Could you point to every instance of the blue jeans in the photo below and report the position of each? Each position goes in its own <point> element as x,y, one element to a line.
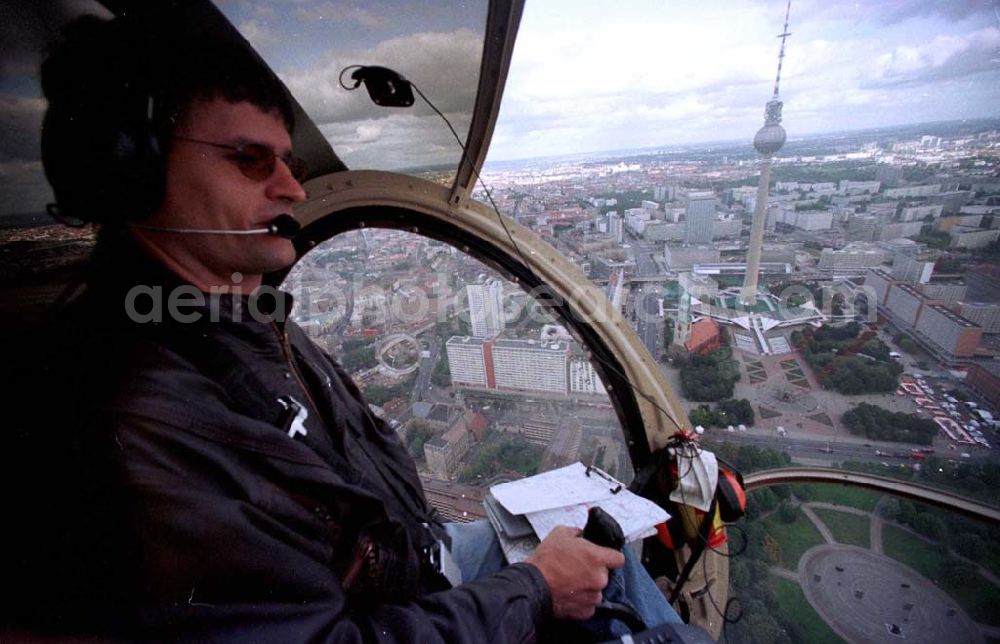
<point>477,552</point>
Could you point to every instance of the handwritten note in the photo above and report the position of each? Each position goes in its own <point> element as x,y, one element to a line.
<point>636,516</point>
<point>565,496</point>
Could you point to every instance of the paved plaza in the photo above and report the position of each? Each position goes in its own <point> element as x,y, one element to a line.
<point>867,597</point>
<point>784,392</point>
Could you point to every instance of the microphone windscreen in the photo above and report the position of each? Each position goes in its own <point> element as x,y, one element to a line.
<point>284,226</point>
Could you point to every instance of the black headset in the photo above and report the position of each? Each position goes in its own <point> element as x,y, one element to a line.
<point>106,163</point>
<point>101,149</point>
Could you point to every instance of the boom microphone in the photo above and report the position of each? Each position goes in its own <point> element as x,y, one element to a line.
<point>283,226</point>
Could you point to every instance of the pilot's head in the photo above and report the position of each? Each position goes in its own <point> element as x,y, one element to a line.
<point>171,132</point>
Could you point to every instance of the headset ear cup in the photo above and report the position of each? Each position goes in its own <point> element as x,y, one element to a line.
<point>138,167</point>
<point>104,166</point>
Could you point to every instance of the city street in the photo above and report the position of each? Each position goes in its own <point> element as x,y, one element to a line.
<point>645,298</point>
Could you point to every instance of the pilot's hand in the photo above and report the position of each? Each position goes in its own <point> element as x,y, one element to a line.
<point>576,571</point>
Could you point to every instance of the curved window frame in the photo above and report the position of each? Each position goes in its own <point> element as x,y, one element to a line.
<point>352,200</point>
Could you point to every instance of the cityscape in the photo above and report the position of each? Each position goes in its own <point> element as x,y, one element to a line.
<point>873,339</point>
<point>909,252</point>
<point>825,300</point>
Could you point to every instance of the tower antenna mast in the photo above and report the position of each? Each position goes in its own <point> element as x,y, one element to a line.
<point>781,54</point>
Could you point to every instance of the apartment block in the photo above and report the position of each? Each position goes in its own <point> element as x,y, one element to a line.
<point>528,365</point>
<point>944,293</point>
<point>682,258</point>
<point>583,378</point>
<point>880,282</point>
<point>486,308</point>
<point>912,192</point>
<point>698,217</point>
<point>850,260</point>
<point>468,361</point>
<point>985,314</point>
<point>919,213</point>
<point>905,303</point>
<point>858,187</point>
<point>953,334</point>
<point>984,377</point>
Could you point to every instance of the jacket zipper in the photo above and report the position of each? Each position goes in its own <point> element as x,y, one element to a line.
<point>286,351</point>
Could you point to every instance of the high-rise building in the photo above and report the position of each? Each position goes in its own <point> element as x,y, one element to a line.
<point>468,361</point>
<point>513,365</point>
<point>526,365</point>
<point>985,314</point>
<point>615,227</point>
<point>486,308</point>
<point>698,218</point>
<point>583,379</point>
<point>952,334</point>
<point>853,259</point>
<point>906,268</point>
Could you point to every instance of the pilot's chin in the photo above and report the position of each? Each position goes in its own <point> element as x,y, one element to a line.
<point>281,259</point>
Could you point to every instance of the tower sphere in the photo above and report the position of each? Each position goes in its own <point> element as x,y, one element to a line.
<point>769,139</point>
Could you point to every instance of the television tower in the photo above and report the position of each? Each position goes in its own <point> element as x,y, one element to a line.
<point>768,140</point>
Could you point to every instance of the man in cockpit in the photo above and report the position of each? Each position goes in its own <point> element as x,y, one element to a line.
<point>189,465</point>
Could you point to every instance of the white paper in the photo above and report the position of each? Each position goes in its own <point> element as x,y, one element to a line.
<point>559,488</point>
<point>636,516</point>
<point>699,478</point>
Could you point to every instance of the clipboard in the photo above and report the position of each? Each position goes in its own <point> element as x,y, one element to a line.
<point>512,526</point>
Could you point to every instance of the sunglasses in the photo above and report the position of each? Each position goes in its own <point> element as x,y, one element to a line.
<point>255,160</point>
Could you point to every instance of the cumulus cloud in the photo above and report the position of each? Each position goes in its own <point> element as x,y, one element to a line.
<point>397,140</point>
<point>343,12</point>
<point>683,75</point>
<point>944,57</point>
<point>445,66</point>
<point>258,34</point>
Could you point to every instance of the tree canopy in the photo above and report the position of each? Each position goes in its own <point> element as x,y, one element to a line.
<point>881,424</point>
<point>844,359</point>
<point>709,378</point>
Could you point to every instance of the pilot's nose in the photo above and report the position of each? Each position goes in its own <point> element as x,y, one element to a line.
<point>282,185</point>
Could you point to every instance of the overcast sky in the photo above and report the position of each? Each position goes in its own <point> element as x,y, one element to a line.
<point>592,75</point>
<point>587,75</point>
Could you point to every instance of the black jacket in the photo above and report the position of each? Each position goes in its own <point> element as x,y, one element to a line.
<point>150,502</point>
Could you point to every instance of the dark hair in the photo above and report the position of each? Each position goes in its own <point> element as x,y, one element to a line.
<point>117,90</point>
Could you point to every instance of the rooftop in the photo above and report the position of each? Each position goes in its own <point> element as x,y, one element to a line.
<point>954,317</point>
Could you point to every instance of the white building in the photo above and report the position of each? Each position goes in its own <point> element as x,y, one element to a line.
<point>467,361</point>
<point>636,220</point>
<point>528,365</point>
<point>615,227</point>
<point>726,228</point>
<point>814,220</point>
<point>918,213</point>
<point>583,379</point>
<point>682,258</point>
<point>486,308</point>
<point>847,187</point>
<point>913,192</point>
<point>853,259</point>
<point>974,238</point>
